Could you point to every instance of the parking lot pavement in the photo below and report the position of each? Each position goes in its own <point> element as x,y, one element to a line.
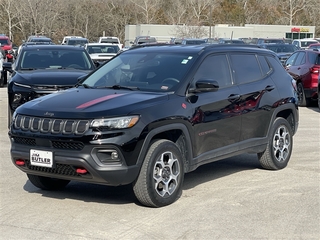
<point>229,199</point>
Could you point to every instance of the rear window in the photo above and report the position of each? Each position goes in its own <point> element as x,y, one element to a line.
<point>109,40</point>
<point>146,40</point>
<point>4,42</point>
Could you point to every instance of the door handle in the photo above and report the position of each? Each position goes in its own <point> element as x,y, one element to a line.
<point>269,88</point>
<point>234,97</point>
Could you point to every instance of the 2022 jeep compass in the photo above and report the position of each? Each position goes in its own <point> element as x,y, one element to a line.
<point>156,112</point>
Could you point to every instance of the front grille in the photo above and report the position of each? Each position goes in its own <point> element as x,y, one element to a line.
<point>78,146</point>
<point>59,169</point>
<point>68,145</point>
<point>51,125</point>
<point>25,141</point>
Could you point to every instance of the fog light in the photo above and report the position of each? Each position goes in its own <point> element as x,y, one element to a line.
<point>17,97</point>
<point>114,155</point>
<point>108,156</point>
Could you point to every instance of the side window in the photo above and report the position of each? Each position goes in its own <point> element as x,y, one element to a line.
<point>291,59</point>
<point>301,59</point>
<point>215,67</point>
<point>264,65</point>
<point>245,68</point>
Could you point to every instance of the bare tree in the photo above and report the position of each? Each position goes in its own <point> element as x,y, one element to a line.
<point>290,8</point>
<point>147,9</point>
<point>175,11</point>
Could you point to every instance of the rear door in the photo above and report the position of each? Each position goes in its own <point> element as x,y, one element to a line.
<point>296,65</point>
<point>251,72</point>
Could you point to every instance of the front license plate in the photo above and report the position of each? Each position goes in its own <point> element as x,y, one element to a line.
<point>41,158</point>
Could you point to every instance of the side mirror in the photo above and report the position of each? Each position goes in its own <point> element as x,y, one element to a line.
<point>204,85</point>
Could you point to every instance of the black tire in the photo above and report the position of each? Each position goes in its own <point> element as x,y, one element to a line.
<point>2,79</point>
<point>302,100</point>
<point>161,177</point>
<point>279,147</point>
<point>47,183</point>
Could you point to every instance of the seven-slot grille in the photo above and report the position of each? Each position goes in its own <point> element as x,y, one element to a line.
<point>51,125</point>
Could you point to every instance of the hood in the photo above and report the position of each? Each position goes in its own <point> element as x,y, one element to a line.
<point>50,77</point>
<point>81,103</point>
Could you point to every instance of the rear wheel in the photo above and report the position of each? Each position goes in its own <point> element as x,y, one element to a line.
<point>47,183</point>
<point>161,177</point>
<point>279,147</point>
<point>302,100</point>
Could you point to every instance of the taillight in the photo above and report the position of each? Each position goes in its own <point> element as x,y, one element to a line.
<point>314,70</point>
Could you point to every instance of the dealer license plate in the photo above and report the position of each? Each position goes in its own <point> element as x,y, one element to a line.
<point>41,158</point>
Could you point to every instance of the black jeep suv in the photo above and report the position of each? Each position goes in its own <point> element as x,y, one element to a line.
<point>156,112</point>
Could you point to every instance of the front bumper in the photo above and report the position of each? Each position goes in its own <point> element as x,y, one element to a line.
<point>66,163</point>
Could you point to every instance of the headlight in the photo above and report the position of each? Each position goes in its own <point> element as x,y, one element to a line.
<point>116,123</point>
<point>22,85</point>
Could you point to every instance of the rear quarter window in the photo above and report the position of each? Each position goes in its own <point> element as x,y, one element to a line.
<point>314,58</point>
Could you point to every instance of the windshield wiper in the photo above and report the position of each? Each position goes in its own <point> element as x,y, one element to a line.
<point>84,85</point>
<point>121,87</point>
<point>28,69</point>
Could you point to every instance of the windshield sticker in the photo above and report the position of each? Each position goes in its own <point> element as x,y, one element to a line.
<point>184,61</point>
<point>190,57</point>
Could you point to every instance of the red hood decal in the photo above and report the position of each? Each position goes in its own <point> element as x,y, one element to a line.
<point>98,100</point>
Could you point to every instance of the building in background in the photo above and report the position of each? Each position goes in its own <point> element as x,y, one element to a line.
<point>164,33</point>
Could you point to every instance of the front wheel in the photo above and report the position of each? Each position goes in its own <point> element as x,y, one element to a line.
<point>47,183</point>
<point>161,176</point>
<point>279,147</point>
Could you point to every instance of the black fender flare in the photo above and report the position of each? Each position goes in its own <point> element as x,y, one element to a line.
<point>151,134</point>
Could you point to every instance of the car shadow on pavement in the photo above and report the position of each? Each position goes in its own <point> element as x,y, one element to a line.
<point>87,192</point>
<point>221,168</point>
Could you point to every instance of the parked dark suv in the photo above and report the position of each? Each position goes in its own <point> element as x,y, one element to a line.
<point>156,112</point>
<point>304,67</point>
<point>43,69</point>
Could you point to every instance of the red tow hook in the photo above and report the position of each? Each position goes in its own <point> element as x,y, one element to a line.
<point>20,162</point>
<point>81,171</point>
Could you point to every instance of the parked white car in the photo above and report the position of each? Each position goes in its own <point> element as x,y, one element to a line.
<point>304,43</point>
<point>113,40</point>
<point>102,52</point>
<point>65,39</point>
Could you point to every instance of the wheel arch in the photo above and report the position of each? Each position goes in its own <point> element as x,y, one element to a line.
<point>290,114</point>
<point>177,133</point>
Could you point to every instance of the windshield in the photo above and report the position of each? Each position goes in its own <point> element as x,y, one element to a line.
<point>159,72</point>
<point>40,59</point>
<point>45,40</point>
